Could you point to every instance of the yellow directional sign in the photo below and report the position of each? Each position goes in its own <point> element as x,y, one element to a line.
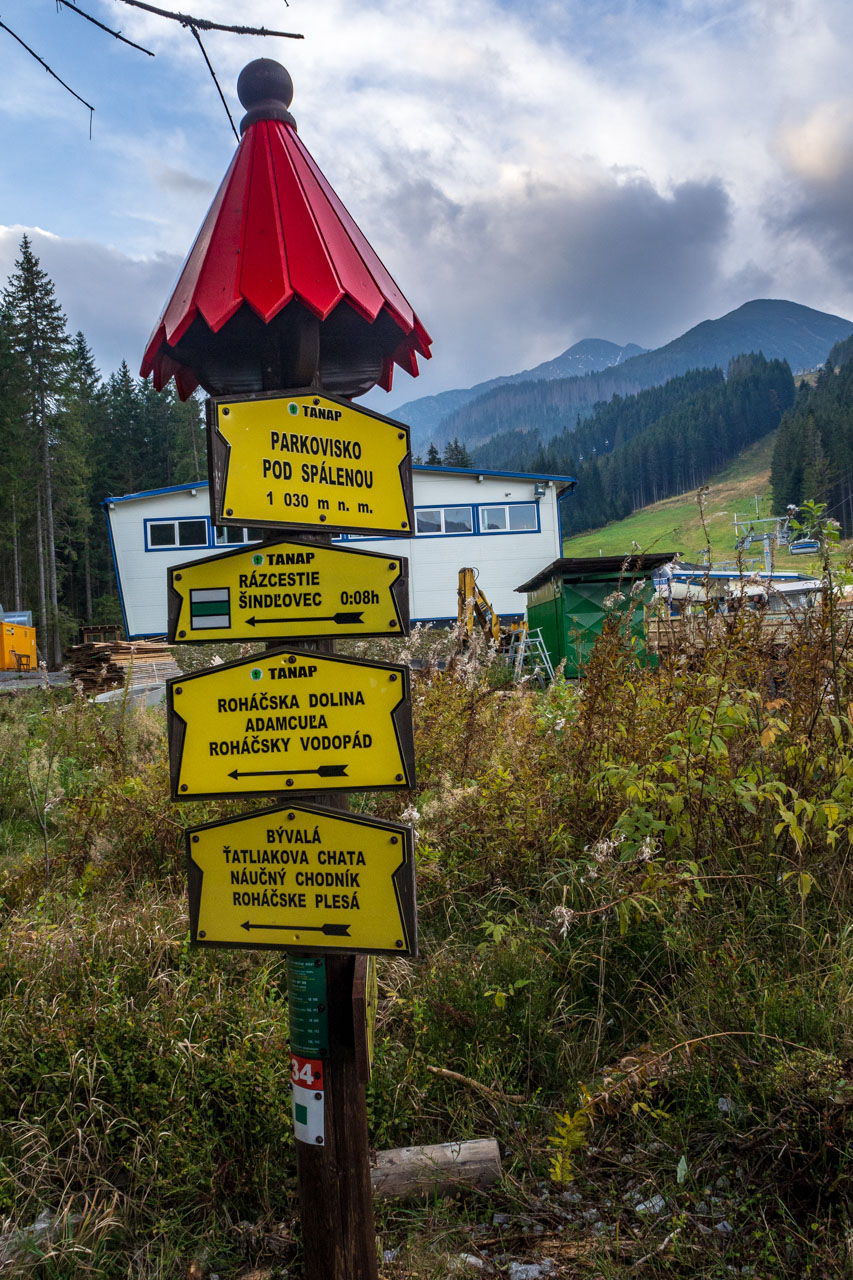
<point>290,722</point>
<point>283,590</point>
<point>308,461</point>
<point>305,878</point>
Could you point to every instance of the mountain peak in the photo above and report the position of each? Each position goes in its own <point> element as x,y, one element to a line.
<point>589,355</point>
<point>551,397</point>
<point>780,329</point>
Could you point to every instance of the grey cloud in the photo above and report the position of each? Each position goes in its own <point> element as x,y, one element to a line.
<point>181,181</point>
<point>500,282</point>
<point>504,282</point>
<point>422,211</point>
<point>820,211</point>
<point>747,282</point>
<point>114,299</point>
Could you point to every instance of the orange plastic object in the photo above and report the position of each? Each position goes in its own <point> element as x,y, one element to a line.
<point>17,647</point>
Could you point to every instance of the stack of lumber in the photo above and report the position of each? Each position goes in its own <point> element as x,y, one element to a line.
<point>778,630</point>
<point>99,666</point>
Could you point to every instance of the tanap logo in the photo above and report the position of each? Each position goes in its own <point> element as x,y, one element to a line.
<point>256,673</point>
<point>293,409</point>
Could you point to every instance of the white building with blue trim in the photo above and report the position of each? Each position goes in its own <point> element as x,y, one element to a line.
<point>504,524</point>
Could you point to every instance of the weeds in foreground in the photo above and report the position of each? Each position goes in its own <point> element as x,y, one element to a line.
<point>636,972</point>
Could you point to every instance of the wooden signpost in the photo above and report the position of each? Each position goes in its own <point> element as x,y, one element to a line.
<point>301,878</point>
<point>327,887</point>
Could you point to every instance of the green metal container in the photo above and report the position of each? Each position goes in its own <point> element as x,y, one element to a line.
<point>570,599</point>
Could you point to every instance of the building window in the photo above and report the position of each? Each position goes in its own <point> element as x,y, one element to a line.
<point>227,537</point>
<point>514,517</point>
<point>163,534</point>
<point>438,520</point>
<point>192,533</point>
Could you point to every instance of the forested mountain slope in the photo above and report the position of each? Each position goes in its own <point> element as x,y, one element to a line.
<point>587,356</point>
<point>610,424</point>
<point>780,330</point>
<point>665,441</point>
<point>676,523</point>
<point>813,457</point>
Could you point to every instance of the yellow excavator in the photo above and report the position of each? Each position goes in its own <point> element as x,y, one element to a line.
<point>521,651</point>
<point>475,610</point>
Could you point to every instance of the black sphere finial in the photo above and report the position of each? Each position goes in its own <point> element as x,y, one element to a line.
<point>266,91</point>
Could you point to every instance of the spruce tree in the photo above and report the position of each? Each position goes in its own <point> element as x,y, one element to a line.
<point>455,454</point>
<point>123,460</point>
<point>171,442</point>
<point>433,458</point>
<point>39,337</point>
<point>17,474</point>
<point>76,452</point>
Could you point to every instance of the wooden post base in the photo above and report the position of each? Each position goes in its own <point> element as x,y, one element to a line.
<point>335,1196</point>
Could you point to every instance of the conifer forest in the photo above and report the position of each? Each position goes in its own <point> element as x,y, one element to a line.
<point>813,453</point>
<point>69,438</point>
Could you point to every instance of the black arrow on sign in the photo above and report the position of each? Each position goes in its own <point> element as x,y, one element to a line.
<point>342,619</point>
<point>331,930</point>
<point>323,771</point>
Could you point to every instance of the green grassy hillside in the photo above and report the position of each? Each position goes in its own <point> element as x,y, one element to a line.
<point>675,524</point>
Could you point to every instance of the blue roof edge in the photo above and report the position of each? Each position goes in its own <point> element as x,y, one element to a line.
<point>483,471</point>
<point>153,493</point>
<point>463,471</point>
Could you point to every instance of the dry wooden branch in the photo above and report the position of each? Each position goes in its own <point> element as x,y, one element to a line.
<point>495,1094</point>
<point>81,13</point>
<point>194,30</point>
<point>50,72</point>
<point>204,25</point>
<point>659,1249</point>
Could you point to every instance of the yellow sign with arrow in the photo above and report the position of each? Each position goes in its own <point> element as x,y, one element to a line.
<point>284,590</point>
<point>308,461</point>
<point>305,878</point>
<point>291,722</point>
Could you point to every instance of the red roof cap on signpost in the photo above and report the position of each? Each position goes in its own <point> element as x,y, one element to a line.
<point>279,251</point>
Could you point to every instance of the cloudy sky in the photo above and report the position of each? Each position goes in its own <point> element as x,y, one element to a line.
<point>533,172</point>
